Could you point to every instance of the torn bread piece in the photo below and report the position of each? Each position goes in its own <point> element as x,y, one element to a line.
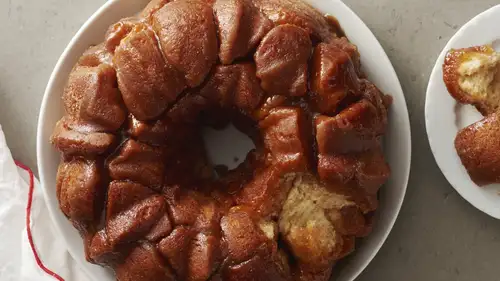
<point>472,76</point>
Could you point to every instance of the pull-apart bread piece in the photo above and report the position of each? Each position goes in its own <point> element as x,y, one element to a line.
<point>472,76</point>
<point>478,146</point>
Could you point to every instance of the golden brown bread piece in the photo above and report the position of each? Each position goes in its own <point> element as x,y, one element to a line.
<point>251,248</point>
<point>144,195</point>
<point>187,35</point>
<point>95,56</point>
<point>161,229</point>
<point>241,27</point>
<point>146,91</point>
<point>269,104</point>
<point>368,169</point>
<point>138,162</point>
<point>286,140</point>
<point>266,192</point>
<point>124,194</point>
<point>131,224</point>
<point>193,247</point>
<point>281,60</point>
<point>316,222</point>
<point>175,249</point>
<point>335,70</point>
<point>80,191</point>
<point>298,13</point>
<point>472,76</point>
<point>91,95</point>
<point>478,146</point>
<point>234,87</point>
<point>116,32</point>
<point>74,137</point>
<point>101,252</point>
<point>144,263</point>
<point>354,129</point>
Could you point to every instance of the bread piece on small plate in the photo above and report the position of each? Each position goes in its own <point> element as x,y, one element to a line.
<point>478,146</point>
<point>472,76</point>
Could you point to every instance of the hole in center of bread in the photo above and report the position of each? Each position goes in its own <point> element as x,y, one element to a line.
<point>227,147</point>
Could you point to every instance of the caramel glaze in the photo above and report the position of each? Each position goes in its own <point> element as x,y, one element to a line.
<point>169,213</point>
<point>335,25</point>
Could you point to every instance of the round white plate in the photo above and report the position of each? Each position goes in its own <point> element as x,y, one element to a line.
<point>444,117</point>
<point>375,63</point>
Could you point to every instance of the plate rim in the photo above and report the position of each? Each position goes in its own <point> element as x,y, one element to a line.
<point>108,5</point>
<point>39,139</point>
<point>428,123</point>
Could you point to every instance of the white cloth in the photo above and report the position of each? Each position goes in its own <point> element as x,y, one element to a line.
<point>17,262</point>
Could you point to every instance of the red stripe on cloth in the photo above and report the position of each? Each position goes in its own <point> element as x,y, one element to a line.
<point>28,223</point>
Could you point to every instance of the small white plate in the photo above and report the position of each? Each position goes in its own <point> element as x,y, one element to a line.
<point>444,117</point>
<point>375,63</point>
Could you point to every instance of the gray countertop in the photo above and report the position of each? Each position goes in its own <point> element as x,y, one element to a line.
<point>438,235</point>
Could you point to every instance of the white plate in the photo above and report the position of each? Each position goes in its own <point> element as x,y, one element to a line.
<point>375,63</point>
<point>444,117</point>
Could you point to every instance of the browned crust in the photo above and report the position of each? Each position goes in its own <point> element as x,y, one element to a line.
<point>478,147</point>
<point>454,58</point>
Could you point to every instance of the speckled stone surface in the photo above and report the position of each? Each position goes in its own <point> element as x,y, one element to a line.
<point>438,236</point>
